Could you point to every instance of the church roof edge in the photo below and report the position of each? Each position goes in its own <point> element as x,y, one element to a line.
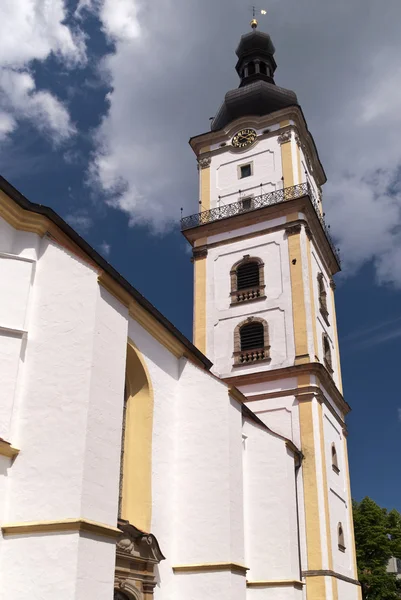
<point>48,212</point>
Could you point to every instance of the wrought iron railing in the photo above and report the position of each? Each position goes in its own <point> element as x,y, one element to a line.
<point>250,204</point>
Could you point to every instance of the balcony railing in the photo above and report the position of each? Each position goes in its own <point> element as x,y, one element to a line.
<point>250,204</point>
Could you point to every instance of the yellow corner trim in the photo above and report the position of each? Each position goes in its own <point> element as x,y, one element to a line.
<point>7,450</point>
<point>276,583</point>
<point>237,395</point>
<point>207,567</point>
<point>76,525</point>
<point>114,288</point>
<point>156,329</point>
<point>21,219</point>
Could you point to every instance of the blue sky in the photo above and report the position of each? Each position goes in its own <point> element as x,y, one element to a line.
<point>99,98</point>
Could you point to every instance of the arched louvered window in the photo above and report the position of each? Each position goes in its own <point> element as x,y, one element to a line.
<point>341,540</point>
<point>252,336</point>
<point>334,458</point>
<point>248,275</point>
<point>327,353</point>
<point>247,280</point>
<point>251,341</point>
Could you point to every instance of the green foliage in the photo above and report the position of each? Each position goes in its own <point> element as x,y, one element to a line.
<point>377,538</point>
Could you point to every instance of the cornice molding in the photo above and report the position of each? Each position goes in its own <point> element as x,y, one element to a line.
<point>156,330</point>
<point>329,573</point>
<point>276,583</point>
<point>312,368</point>
<point>20,218</point>
<point>210,567</point>
<point>73,525</point>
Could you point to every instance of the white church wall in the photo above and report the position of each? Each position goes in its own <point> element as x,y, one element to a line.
<point>52,420</point>
<point>339,503</point>
<point>67,423</point>
<point>275,309</point>
<point>213,586</point>
<point>348,591</point>
<point>16,276</point>
<point>274,593</point>
<point>265,160</point>
<point>37,566</point>
<point>208,502</point>
<point>270,511</point>
<point>105,409</point>
<point>6,236</point>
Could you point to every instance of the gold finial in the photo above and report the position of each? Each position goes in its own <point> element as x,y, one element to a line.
<point>255,11</point>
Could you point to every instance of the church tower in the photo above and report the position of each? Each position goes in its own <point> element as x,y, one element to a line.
<point>264,310</point>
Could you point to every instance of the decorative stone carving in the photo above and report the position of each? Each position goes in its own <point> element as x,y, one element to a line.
<point>293,229</point>
<point>136,555</point>
<point>204,163</point>
<point>199,253</point>
<point>332,284</point>
<point>284,137</point>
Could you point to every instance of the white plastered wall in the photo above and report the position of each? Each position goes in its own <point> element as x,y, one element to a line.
<point>265,160</point>
<point>65,416</point>
<point>271,531</point>
<point>276,309</point>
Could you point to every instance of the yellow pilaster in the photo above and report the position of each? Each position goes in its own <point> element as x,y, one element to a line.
<point>200,303</point>
<point>204,184</point>
<point>298,295</point>
<point>286,160</point>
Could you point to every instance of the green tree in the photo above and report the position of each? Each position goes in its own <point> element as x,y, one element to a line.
<point>377,539</point>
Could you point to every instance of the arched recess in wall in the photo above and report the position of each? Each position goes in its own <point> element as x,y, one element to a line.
<point>136,503</point>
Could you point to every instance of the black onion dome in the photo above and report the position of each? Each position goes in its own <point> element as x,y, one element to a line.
<point>257,94</point>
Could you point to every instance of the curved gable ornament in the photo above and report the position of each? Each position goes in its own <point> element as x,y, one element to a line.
<point>137,554</point>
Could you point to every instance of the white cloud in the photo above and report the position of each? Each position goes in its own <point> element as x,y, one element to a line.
<point>169,74</point>
<point>80,221</point>
<point>34,29</point>
<point>105,249</point>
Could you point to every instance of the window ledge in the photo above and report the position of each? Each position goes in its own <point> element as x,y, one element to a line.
<point>252,363</point>
<point>247,301</point>
<point>341,548</point>
<point>335,469</point>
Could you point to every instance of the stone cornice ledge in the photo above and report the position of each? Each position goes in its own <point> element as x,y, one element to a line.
<point>329,573</point>
<point>276,583</point>
<point>74,525</point>
<point>210,567</point>
<point>6,449</point>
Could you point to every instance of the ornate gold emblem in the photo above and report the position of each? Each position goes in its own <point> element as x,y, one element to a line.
<point>243,138</point>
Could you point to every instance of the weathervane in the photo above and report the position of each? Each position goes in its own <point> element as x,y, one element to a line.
<point>256,10</point>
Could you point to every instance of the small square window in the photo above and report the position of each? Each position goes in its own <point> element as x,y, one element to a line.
<point>245,171</point>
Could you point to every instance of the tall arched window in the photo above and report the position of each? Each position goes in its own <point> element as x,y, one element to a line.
<point>251,341</point>
<point>247,280</point>
<point>322,297</point>
<point>341,541</point>
<point>262,68</point>
<point>334,459</point>
<point>327,353</point>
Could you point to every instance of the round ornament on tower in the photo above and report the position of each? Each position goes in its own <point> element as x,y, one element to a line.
<point>244,138</point>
